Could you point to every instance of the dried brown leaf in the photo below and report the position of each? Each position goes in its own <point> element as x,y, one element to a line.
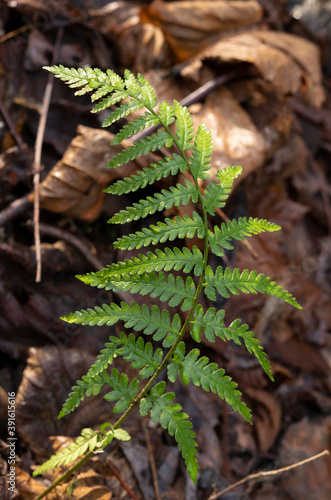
<point>47,380</point>
<point>290,63</point>
<point>190,26</point>
<point>75,185</point>
<point>266,416</point>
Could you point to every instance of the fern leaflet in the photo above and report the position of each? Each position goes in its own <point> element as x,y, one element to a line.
<point>179,195</point>
<point>238,230</point>
<point>207,375</point>
<point>163,231</point>
<point>247,282</point>
<point>148,175</point>
<point>212,324</point>
<point>150,321</point>
<point>170,416</point>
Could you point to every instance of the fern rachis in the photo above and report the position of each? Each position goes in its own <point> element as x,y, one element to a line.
<point>150,273</point>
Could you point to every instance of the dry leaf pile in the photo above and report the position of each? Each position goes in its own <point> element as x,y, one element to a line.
<point>268,108</point>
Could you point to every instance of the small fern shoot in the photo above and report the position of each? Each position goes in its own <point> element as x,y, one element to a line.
<point>151,273</point>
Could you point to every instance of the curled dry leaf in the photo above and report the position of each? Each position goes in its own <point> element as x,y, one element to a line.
<point>140,44</point>
<point>75,185</point>
<point>290,63</point>
<point>189,27</point>
<point>267,416</point>
<point>46,383</point>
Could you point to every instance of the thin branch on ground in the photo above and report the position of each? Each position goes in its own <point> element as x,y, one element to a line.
<point>16,136</point>
<point>38,149</point>
<point>73,240</point>
<point>261,475</point>
<point>152,461</point>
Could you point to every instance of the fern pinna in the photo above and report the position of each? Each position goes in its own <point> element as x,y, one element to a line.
<point>149,273</point>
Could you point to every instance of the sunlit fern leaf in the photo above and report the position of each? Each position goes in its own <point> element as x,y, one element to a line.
<point>86,442</point>
<point>147,93</point>
<point>87,385</point>
<point>216,194</point>
<point>89,440</point>
<point>227,281</point>
<point>175,196</point>
<point>166,113</point>
<point>120,112</point>
<point>148,175</point>
<point>164,411</point>
<point>123,390</point>
<point>170,259</point>
<point>131,83</point>
<point>171,289</point>
<point>212,325</point>
<point>210,377</point>
<point>151,143</point>
<point>168,230</point>
<point>114,98</point>
<point>184,127</point>
<point>140,354</point>
<point>152,321</point>
<point>201,154</point>
<point>237,229</point>
<point>134,127</point>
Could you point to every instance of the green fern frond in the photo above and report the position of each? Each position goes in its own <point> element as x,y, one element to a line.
<point>140,354</point>
<point>184,127</point>
<point>131,128</point>
<point>86,442</point>
<point>151,143</point>
<point>170,259</point>
<point>166,113</point>
<point>226,282</point>
<point>171,289</point>
<point>175,196</point>
<point>147,93</point>
<point>168,230</point>
<point>211,324</point>
<point>114,98</point>
<point>148,175</point>
<point>123,390</point>
<point>150,321</point>
<point>145,273</point>
<point>201,154</point>
<point>169,415</point>
<point>237,229</point>
<point>209,376</point>
<point>216,194</point>
<point>89,384</point>
<point>121,112</point>
<point>89,440</point>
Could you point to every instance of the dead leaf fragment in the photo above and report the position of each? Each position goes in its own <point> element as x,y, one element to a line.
<point>75,184</point>
<point>291,64</point>
<point>46,383</point>
<point>189,26</point>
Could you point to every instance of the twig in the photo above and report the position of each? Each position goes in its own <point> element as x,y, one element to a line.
<point>263,474</point>
<point>152,461</point>
<point>38,148</point>
<point>18,31</point>
<point>117,474</point>
<point>14,209</point>
<point>11,127</point>
<point>73,240</point>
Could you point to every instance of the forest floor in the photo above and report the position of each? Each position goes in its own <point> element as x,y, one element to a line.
<point>269,110</point>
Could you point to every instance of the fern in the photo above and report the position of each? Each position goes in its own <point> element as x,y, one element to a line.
<point>151,273</point>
